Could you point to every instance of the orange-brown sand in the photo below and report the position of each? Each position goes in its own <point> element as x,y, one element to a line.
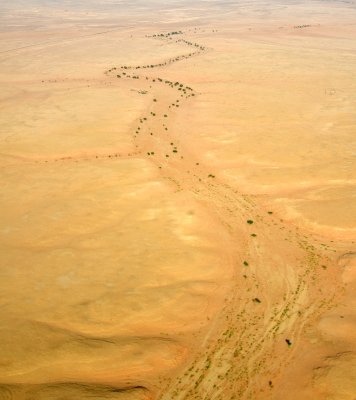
<point>177,205</point>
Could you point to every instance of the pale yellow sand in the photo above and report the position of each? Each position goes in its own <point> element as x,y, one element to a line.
<point>128,268</point>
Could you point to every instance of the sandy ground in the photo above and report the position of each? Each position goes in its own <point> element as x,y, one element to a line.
<point>177,200</point>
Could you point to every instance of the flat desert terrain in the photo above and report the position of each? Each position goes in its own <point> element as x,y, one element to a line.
<point>178,200</point>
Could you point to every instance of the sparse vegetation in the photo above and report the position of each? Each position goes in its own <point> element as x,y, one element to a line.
<point>248,342</point>
<point>301,26</point>
<point>257,300</point>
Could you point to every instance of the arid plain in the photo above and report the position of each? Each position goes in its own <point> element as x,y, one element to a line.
<point>178,200</point>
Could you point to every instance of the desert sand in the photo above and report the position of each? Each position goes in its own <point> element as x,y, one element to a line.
<point>178,214</point>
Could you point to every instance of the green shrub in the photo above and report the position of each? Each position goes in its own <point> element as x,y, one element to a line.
<point>257,300</point>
